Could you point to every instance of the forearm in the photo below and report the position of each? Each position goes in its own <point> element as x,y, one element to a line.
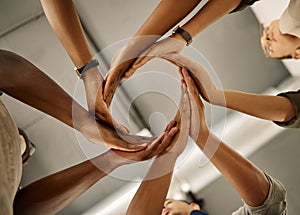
<point>208,14</point>
<point>248,181</point>
<point>54,192</point>
<point>163,18</point>
<point>154,190</point>
<point>65,22</point>
<point>25,82</point>
<point>275,108</point>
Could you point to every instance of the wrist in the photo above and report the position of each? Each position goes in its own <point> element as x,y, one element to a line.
<point>183,35</point>
<point>218,97</point>
<point>202,138</point>
<point>107,162</point>
<point>88,66</point>
<point>80,117</point>
<point>138,44</point>
<point>117,160</point>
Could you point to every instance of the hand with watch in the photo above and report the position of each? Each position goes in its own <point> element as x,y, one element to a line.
<point>93,83</point>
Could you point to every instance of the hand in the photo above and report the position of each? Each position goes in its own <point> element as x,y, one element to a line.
<point>183,122</point>
<point>158,146</point>
<point>129,58</point>
<point>105,135</point>
<point>93,83</point>
<point>121,62</point>
<point>198,123</point>
<point>166,46</point>
<point>206,86</point>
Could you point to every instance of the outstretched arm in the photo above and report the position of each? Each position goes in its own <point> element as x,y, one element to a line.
<point>60,188</point>
<point>275,108</point>
<point>54,192</point>
<point>248,180</point>
<point>25,82</point>
<point>163,18</point>
<point>155,186</point>
<point>64,20</point>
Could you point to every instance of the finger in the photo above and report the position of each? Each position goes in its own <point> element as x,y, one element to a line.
<point>170,135</point>
<point>136,139</point>
<point>129,147</point>
<point>155,147</point>
<point>121,128</point>
<point>171,124</point>
<point>169,141</point>
<point>180,72</point>
<point>130,72</point>
<point>141,61</point>
<point>110,82</point>
<point>165,141</point>
<point>188,79</point>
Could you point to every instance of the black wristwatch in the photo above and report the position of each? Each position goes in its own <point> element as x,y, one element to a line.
<point>184,34</point>
<point>93,63</point>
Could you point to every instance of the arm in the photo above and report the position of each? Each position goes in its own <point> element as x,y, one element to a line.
<point>54,192</point>
<point>64,20</point>
<point>275,108</point>
<point>248,180</point>
<point>155,186</point>
<point>167,14</point>
<point>25,82</point>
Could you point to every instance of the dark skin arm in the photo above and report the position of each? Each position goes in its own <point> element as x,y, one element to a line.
<point>27,83</point>
<point>54,192</point>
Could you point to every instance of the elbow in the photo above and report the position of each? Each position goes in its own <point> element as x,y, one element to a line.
<point>289,111</point>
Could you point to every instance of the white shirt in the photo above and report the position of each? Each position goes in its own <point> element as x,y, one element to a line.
<point>290,19</point>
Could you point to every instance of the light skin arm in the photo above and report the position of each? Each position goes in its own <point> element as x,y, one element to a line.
<point>275,108</point>
<point>54,192</point>
<point>248,180</point>
<point>159,176</point>
<point>161,20</point>
<point>64,20</point>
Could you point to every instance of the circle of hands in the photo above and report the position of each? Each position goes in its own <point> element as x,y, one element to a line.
<point>189,120</point>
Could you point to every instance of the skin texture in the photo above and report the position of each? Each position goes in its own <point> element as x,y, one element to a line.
<point>278,45</point>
